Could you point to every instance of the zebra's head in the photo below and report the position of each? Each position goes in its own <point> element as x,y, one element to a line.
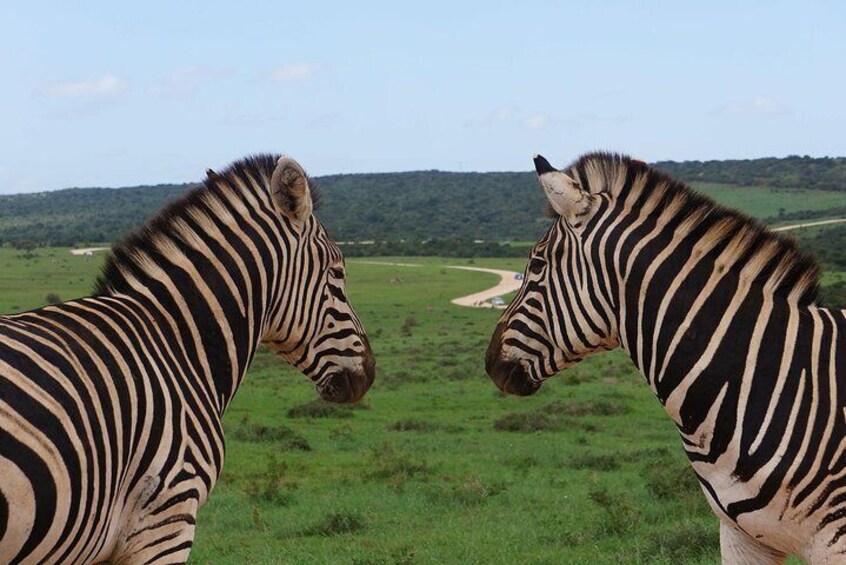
<point>558,317</point>
<point>312,324</point>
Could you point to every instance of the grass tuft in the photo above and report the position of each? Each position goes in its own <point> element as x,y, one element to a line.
<point>685,542</point>
<point>321,409</point>
<point>282,435</point>
<point>395,466</point>
<point>272,486</point>
<point>594,461</point>
<point>471,490</point>
<point>336,523</point>
<point>619,514</point>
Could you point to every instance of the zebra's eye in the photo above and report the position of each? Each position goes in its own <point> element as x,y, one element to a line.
<point>536,265</point>
<point>336,273</point>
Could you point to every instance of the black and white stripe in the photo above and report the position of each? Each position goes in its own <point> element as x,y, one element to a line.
<point>719,315</point>
<point>110,406</point>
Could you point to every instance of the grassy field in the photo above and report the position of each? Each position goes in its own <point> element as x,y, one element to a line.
<point>435,466</point>
<point>765,202</point>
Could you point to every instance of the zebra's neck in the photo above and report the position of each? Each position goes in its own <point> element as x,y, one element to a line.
<point>208,268</point>
<point>695,298</point>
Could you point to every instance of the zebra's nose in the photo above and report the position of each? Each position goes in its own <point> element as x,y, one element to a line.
<point>350,386</point>
<point>510,376</point>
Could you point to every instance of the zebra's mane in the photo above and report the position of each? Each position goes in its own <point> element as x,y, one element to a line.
<point>251,173</point>
<point>783,267</point>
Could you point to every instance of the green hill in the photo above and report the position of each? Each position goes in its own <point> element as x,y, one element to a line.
<point>826,173</point>
<point>424,205</point>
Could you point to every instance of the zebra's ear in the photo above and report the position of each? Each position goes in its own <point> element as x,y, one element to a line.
<point>563,192</point>
<point>289,189</point>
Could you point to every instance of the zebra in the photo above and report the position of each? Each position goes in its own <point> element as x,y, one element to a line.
<point>720,317</point>
<point>111,405</point>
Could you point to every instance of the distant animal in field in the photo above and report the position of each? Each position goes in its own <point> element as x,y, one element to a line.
<point>111,405</point>
<point>719,314</point>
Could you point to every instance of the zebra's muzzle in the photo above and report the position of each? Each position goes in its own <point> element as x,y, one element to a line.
<point>346,385</point>
<point>509,375</point>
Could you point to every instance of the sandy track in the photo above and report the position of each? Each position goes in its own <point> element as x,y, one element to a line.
<point>387,263</point>
<point>86,250</point>
<point>507,283</point>
<point>809,224</point>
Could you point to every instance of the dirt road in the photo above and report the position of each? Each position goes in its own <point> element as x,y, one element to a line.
<point>809,225</point>
<point>507,283</point>
<point>88,250</point>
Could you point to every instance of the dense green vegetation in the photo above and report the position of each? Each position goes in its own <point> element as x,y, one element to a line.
<point>409,208</point>
<point>79,215</point>
<point>826,173</point>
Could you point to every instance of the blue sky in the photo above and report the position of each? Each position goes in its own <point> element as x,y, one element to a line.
<point>117,94</point>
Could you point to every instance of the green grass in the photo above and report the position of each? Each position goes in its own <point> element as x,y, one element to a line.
<point>420,473</point>
<point>25,282</point>
<point>435,466</point>
<point>765,202</point>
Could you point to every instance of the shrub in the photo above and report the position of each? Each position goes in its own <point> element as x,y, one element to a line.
<point>336,523</point>
<point>620,516</point>
<point>468,491</point>
<point>321,409</point>
<point>272,486</point>
<point>410,426</point>
<point>286,437</point>
<point>410,322</point>
<point>395,466</point>
<point>534,421</point>
<point>52,298</point>
<point>685,542</point>
<point>587,408</point>
<point>594,461</point>
<point>521,462</point>
<point>557,415</point>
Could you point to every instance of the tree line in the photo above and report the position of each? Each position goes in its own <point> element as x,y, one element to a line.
<point>825,173</point>
<point>419,212</point>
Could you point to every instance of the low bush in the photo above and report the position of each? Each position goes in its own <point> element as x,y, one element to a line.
<point>321,409</point>
<point>336,523</point>
<point>286,437</point>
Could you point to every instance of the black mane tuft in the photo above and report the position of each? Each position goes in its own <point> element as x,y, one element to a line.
<point>614,173</point>
<point>258,167</point>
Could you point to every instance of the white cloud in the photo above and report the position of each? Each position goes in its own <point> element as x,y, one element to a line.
<point>107,85</point>
<point>536,122</point>
<point>186,81</point>
<point>758,106</point>
<point>294,72</point>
